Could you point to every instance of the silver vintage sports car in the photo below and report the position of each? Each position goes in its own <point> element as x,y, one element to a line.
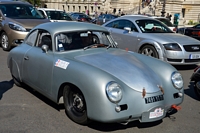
<point>79,64</point>
<point>151,37</point>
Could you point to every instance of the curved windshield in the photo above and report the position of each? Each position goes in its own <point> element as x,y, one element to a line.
<point>152,26</point>
<point>83,40</point>
<point>58,15</point>
<point>20,11</point>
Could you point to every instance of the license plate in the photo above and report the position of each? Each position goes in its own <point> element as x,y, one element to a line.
<point>158,112</point>
<point>194,56</point>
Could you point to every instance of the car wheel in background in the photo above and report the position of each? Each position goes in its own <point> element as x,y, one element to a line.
<point>4,42</point>
<point>75,105</point>
<point>149,51</point>
<point>197,88</point>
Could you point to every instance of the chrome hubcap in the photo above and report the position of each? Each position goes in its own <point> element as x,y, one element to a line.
<point>78,103</point>
<point>147,52</point>
<point>4,41</point>
<point>198,85</point>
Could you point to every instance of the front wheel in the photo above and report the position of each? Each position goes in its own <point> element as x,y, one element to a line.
<point>197,89</point>
<point>75,105</point>
<point>149,50</point>
<point>4,42</point>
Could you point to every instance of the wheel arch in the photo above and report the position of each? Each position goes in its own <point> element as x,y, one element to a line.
<point>14,69</point>
<point>155,45</point>
<point>61,89</point>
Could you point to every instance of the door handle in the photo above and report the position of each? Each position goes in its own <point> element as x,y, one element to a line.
<point>26,58</point>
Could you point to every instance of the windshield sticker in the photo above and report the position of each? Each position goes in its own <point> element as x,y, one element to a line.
<point>62,64</point>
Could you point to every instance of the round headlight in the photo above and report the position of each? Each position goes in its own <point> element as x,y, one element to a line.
<point>177,80</point>
<point>114,92</point>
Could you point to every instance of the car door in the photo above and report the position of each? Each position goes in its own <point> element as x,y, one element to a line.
<point>125,39</point>
<point>38,65</point>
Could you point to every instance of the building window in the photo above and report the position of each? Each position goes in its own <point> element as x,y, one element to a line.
<point>183,12</point>
<point>73,8</point>
<point>68,8</point>
<point>92,8</point>
<point>79,8</point>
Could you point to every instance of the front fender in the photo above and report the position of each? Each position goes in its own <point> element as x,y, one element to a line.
<point>153,43</point>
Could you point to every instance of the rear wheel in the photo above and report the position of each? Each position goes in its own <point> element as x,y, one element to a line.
<point>17,82</point>
<point>4,42</point>
<point>197,88</point>
<point>75,105</point>
<point>149,51</point>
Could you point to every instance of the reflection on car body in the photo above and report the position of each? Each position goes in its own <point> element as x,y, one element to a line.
<point>79,64</point>
<point>151,37</point>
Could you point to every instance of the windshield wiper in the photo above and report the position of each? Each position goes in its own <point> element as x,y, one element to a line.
<point>95,46</point>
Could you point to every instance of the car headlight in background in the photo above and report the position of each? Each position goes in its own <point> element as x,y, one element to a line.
<point>16,27</point>
<point>172,46</point>
<point>177,80</point>
<point>114,92</point>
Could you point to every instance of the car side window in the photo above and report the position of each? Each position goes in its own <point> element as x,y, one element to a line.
<point>44,38</point>
<point>30,40</point>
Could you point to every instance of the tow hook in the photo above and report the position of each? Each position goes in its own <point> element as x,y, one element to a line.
<point>176,107</point>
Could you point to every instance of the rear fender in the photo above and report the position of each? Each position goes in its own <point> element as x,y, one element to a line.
<point>14,69</point>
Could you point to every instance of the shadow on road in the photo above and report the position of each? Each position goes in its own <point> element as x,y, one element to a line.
<point>43,98</point>
<point>5,86</point>
<point>185,67</point>
<point>117,126</point>
<point>190,91</point>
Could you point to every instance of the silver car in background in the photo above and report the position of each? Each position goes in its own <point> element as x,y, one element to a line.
<point>151,37</point>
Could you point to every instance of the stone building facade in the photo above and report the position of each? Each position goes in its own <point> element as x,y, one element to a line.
<point>188,10</point>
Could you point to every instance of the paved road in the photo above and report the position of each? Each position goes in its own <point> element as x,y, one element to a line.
<point>23,110</point>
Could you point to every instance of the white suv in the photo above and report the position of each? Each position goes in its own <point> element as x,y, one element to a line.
<point>55,15</point>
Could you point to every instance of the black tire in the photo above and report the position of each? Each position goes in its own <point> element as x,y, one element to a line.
<point>75,105</point>
<point>197,89</point>
<point>149,50</point>
<point>17,82</point>
<point>4,42</point>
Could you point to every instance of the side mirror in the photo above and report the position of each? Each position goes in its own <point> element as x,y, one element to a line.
<point>45,48</point>
<point>127,29</point>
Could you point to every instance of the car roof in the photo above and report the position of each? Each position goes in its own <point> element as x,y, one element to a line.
<point>135,17</point>
<point>49,9</point>
<point>69,26</point>
<point>13,2</point>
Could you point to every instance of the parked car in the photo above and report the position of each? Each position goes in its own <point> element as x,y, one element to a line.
<point>83,68</point>
<point>196,78</point>
<point>167,22</point>
<point>81,17</point>
<point>17,18</point>
<point>55,15</point>
<point>151,37</point>
<point>101,19</point>
<point>190,31</point>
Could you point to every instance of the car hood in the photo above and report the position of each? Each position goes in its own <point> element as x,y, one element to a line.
<point>30,23</point>
<point>126,68</point>
<point>172,38</point>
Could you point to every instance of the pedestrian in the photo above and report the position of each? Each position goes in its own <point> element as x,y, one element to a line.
<point>169,16</point>
<point>122,14</point>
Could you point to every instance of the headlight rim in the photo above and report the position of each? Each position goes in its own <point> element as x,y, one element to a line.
<point>107,92</point>
<point>174,84</point>
<point>11,24</point>
<point>168,48</point>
